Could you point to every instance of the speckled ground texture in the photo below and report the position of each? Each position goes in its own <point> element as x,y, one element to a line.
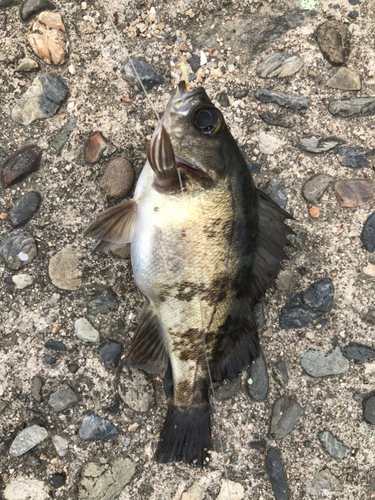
<point>328,246</point>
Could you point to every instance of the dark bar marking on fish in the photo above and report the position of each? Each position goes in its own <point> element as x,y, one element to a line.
<point>186,435</point>
<point>114,227</point>
<point>162,160</point>
<point>147,351</point>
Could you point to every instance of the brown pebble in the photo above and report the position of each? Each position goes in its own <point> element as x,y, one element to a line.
<point>333,38</point>
<point>345,79</point>
<point>22,162</point>
<point>118,178</point>
<point>48,38</point>
<point>98,146</point>
<point>313,74</point>
<point>354,193</point>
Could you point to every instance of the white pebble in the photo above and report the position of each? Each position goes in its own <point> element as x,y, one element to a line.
<point>71,69</point>
<point>23,256</point>
<point>22,280</point>
<point>203,58</point>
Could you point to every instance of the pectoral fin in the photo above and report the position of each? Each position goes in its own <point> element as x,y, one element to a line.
<point>114,227</point>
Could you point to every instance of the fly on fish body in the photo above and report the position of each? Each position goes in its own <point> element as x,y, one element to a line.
<point>203,259</point>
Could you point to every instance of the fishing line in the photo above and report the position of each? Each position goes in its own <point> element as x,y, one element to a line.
<point>205,330</point>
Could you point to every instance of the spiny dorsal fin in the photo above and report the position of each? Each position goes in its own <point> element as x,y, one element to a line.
<point>114,227</point>
<point>147,351</point>
<point>162,160</point>
<point>271,241</point>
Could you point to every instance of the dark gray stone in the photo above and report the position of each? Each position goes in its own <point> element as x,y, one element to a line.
<point>223,100</point>
<point>24,161</point>
<point>359,352</point>
<point>276,474</point>
<point>275,120</point>
<point>110,353</point>
<point>103,304</point>
<point>285,415</point>
<point>25,207</point>
<point>55,345</point>
<point>50,360</point>
<point>73,368</point>
<point>334,447</point>
<point>354,157</point>
<point>36,388</point>
<point>293,102</point>
<point>148,75</point>
<point>316,186</point>
<point>94,428</point>
<point>277,192</point>
<point>257,383</point>
<point>315,144</point>
<point>228,389</point>
<point>195,62</point>
<point>58,479</point>
<point>319,364</point>
<point>240,94</point>
<point>333,38</point>
<point>280,372</point>
<point>357,106</point>
<point>369,408</point>
<point>368,234</point>
<point>54,88</point>
<point>63,398</point>
<point>32,7</point>
<point>18,248</point>
<point>62,136</point>
<point>306,306</point>
<point>255,167</point>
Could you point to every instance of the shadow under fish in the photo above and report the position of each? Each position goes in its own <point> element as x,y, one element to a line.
<point>205,245</point>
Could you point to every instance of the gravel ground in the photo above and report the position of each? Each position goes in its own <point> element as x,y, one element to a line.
<point>328,246</point>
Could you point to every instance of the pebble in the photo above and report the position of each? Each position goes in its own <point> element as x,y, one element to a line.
<point>354,193</point>
<point>61,445</point>
<point>50,360</point>
<point>333,38</point>
<point>257,383</point>
<point>223,100</point>
<point>275,120</point>
<point>280,373</point>
<point>136,390</point>
<point>22,281</point>
<point>148,75</point>
<point>25,488</point>
<point>24,161</point>
<point>25,207</point>
<point>63,398</point>
<point>97,146</point>
<point>357,106</point>
<point>194,62</point>
<point>103,304</point>
<point>236,490</point>
<point>319,364</point>
<point>110,353</point>
<point>354,157</point>
<point>18,248</point>
<point>284,280</point>
<point>279,65</point>
<point>59,140</point>
<point>94,428</point>
<point>228,389</point>
<point>293,102</point>
<point>41,100</point>
<point>194,492</point>
<point>48,38</point>
<point>369,408</point>
<point>36,388</point>
<point>85,331</point>
<point>27,64</point>
<point>315,187</point>
<point>285,415</point>
<point>255,167</point>
<point>27,439</point>
<point>240,94</point>
<point>118,178</point>
<point>369,269</point>
<point>73,368</point>
<point>63,270</point>
<point>359,352</point>
<point>323,483</point>
<point>276,474</point>
<point>367,236</point>
<point>345,79</point>
<point>315,144</point>
<point>304,307</point>
<point>269,144</point>
<point>277,192</point>
<point>31,7</point>
<point>58,479</point>
<point>55,345</point>
<point>101,481</point>
<point>334,447</point>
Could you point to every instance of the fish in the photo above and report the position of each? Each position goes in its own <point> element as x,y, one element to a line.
<point>205,245</point>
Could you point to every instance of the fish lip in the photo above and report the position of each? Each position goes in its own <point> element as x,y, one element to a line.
<point>186,165</point>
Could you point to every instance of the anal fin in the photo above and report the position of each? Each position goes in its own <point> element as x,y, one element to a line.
<point>147,351</point>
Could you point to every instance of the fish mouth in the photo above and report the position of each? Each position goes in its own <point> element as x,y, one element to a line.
<point>189,167</point>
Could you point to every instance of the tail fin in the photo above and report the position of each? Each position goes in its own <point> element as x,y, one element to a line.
<point>186,435</point>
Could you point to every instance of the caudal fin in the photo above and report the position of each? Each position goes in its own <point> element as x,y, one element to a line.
<point>186,435</point>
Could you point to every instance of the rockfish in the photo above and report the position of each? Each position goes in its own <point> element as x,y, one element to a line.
<point>205,244</point>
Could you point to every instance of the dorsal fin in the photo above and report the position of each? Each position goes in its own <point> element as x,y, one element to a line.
<point>147,351</point>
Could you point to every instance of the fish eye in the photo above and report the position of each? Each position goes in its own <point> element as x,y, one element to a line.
<point>208,121</point>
